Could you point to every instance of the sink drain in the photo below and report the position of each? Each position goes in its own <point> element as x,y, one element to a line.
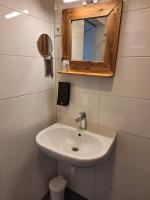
<point>75,149</point>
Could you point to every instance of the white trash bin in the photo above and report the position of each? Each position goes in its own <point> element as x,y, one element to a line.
<point>57,187</point>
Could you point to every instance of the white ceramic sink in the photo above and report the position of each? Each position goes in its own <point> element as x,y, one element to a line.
<point>77,147</point>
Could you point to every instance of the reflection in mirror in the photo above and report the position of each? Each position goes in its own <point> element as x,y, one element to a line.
<point>45,45</point>
<point>88,39</point>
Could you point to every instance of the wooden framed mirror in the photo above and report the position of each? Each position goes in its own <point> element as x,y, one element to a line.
<point>92,53</point>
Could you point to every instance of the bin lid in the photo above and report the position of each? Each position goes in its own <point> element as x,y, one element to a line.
<point>57,184</point>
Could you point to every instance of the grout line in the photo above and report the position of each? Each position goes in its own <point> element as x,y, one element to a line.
<point>20,166</point>
<point>26,94</point>
<point>22,131</point>
<point>19,132</point>
<point>119,131</point>
<point>132,134</point>
<point>84,91</point>
<point>99,101</point>
<point>129,166</point>
<point>13,9</point>
<point>136,9</point>
<point>16,133</point>
<point>127,97</point>
<point>123,131</point>
<point>17,55</point>
<point>105,94</point>
<point>116,130</point>
<point>133,56</point>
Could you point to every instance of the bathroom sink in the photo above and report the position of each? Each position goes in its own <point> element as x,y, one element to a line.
<point>80,148</point>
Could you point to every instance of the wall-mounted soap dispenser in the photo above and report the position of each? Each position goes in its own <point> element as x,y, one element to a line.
<point>63,94</point>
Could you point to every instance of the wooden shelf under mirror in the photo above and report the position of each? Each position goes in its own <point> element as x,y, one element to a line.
<point>91,59</point>
<point>110,74</point>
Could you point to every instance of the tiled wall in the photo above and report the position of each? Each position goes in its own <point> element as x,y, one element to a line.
<point>27,100</point>
<point>121,103</point>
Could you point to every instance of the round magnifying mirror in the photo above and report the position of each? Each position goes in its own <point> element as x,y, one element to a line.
<point>45,46</point>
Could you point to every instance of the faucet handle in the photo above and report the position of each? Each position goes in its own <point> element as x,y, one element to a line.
<point>83,114</point>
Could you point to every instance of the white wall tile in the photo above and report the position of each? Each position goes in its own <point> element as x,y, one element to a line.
<point>22,75</point>
<point>82,85</point>
<point>59,5</point>
<point>58,49</point>
<point>131,78</point>
<point>41,9</point>
<point>49,106</point>
<point>22,38</point>
<point>81,101</point>
<point>24,170</point>
<point>16,151</point>
<point>133,151</point>
<point>30,181</point>
<point>135,4</point>
<point>82,182</point>
<point>131,182</point>
<point>134,35</point>
<point>57,66</point>
<point>125,114</point>
<point>22,112</point>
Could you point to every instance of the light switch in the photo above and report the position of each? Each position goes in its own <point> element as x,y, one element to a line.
<point>57,29</point>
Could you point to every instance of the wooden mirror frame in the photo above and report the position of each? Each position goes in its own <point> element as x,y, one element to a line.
<point>112,10</point>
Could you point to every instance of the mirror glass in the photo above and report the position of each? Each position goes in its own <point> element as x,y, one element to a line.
<point>45,46</point>
<point>88,39</point>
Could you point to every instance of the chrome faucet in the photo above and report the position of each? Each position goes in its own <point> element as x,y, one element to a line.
<point>81,120</point>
